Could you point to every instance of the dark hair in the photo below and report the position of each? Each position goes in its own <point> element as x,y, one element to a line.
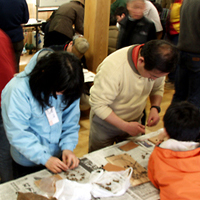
<point>158,7</point>
<point>121,10</point>
<point>113,20</point>
<point>182,122</point>
<point>160,55</point>
<point>57,72</point>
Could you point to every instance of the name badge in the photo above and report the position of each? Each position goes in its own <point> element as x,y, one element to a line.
<point>52,116</point>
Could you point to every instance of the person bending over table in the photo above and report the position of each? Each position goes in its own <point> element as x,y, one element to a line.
<point>124,81</point>
<point>40,110</point>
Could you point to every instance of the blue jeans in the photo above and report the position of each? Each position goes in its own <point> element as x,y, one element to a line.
<point>187,83</point>
<point>6,172</point>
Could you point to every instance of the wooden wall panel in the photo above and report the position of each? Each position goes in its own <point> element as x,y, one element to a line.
<point>96,28</point>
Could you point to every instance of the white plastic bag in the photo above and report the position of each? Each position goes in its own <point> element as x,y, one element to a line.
<point>107,184</point>
<point>47,185</point>
<point>71,190</point>
<point>101,184</point>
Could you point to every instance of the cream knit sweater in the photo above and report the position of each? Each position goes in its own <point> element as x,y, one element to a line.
<point>118,87</point>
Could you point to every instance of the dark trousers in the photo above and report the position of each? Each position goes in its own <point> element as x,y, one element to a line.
<point>6,171</point>
<point>20,171</point>
<point>18,47</point>
<point>174,40</point>
<point>55,38</point>
<point>187,83</point>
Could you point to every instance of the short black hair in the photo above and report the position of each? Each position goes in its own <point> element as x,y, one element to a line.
<point>158,7</point>
<point>160,55</point>
<point>113,20</point>
<point>57,72</point>
<point>121,10</point>
<point>182,121</point>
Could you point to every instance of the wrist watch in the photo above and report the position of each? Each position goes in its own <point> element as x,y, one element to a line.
<point>157,107</point>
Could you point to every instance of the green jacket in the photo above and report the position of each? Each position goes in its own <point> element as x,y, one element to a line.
<point>117,4</point>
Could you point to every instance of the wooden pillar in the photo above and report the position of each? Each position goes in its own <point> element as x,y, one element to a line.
<point>96,29</point>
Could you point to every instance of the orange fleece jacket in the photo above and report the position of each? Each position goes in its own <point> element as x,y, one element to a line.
<point>175,173</point>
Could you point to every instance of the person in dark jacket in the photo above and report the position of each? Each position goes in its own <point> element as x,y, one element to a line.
<point>135,28</point>
<point>113,34</point>
<point>187,78</point>
<point>61,26</point>
<point>13,13</point>
<point>120,13</point>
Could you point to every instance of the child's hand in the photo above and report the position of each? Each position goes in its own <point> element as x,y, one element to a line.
<point>70,159</point>
<point>55,165</point>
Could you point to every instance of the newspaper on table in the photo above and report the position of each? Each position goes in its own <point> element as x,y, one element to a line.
<point>8,191</point>
<point>88,163</point>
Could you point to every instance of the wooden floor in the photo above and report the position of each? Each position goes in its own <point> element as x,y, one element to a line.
<point>82,147</point>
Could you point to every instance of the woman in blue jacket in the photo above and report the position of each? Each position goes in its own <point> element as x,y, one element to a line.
<point>40,110</point>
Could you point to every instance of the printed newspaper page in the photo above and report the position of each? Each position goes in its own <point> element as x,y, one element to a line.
<point>92,161</point>
<point>8,191</point>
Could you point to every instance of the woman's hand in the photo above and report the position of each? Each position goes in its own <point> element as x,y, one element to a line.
<point>70,159</point>
<point>55,165</point>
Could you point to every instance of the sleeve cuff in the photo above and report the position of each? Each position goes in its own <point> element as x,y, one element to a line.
<point>70,147</point>
<point>45,158</point>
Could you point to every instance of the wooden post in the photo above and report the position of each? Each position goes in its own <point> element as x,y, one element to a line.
<point>96,29</point>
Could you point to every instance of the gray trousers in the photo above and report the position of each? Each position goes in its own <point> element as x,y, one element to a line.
<point>103,134</point>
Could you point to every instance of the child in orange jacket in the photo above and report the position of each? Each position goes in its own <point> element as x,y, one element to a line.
<point>174,165</point>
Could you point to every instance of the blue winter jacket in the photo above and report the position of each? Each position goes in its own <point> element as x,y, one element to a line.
<point>33,141</point>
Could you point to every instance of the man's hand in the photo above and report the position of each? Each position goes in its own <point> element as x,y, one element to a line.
<point>134,128</point>
<point>153,118</point>
<point>56,165</point>
<point>70,159</point>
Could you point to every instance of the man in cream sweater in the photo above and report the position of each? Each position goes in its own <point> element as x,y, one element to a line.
<point>124,81</point>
